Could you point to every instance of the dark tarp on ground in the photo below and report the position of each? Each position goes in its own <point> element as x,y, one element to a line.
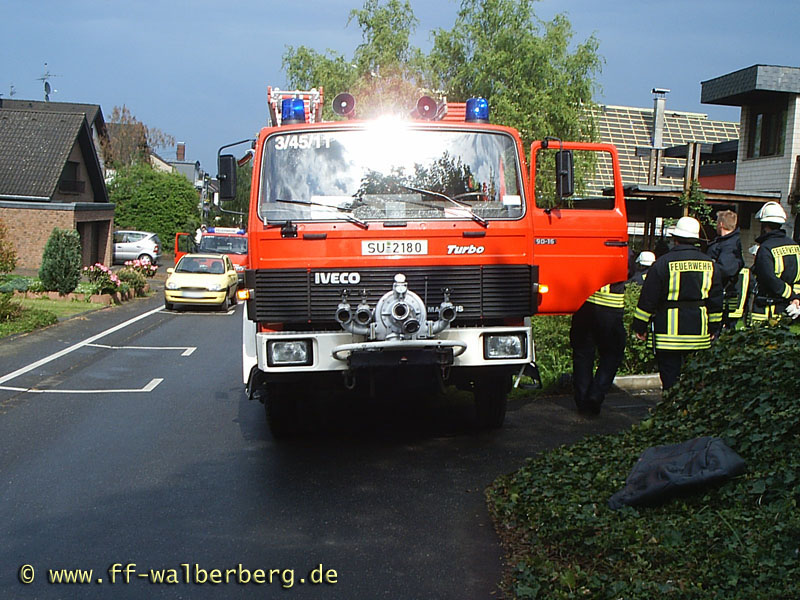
<point>663,471</point>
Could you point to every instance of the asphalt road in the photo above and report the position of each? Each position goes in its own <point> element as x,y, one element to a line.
<point>140,447</point>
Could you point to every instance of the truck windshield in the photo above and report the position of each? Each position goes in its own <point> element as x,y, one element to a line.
<point>223,244</point>
<point>390,171</point>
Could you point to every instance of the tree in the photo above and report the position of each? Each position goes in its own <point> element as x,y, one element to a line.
<point>385,73</point>
<point>150,200</point>
<point>130,140</point>
<point>500,50</point>
<point>497,49</point>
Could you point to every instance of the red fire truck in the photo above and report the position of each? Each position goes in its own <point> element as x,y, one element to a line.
<point>398,256</point>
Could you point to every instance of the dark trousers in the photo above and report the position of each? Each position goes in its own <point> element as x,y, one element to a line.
<point>669,366</point>
<point>595,329</point>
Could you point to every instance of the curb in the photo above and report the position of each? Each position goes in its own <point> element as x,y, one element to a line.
<point>638,383</point>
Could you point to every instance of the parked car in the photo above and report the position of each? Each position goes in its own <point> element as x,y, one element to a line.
<point>130,245</point>
<point>201,279</point>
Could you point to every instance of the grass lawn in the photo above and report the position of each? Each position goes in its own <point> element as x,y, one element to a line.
<point>41,312</point>
<point>61,308</point>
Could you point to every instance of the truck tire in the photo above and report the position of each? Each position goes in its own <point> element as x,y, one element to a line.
<point>491,399</point>
<point>281,411</point>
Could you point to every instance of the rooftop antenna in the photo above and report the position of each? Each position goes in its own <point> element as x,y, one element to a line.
<point>45,77</point>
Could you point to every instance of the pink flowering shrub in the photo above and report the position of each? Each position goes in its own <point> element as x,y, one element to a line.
<point>147,269</point>
<point>103,280</point>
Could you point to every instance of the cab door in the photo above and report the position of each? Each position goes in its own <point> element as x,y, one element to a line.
<point>184,244</point>
<point>580,241</point>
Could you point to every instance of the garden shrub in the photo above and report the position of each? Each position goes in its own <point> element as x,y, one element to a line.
<point>134,279</point>
<point>740,539</point>
<point>102,279</point>
<point>146,268</point>
<point>61,261</point>
<point>10,309</point>
<point>17,284</point>
<point>8,254</point>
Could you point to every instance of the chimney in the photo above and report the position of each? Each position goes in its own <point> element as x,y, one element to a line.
<point>658,116</point>
<point>181,153</point>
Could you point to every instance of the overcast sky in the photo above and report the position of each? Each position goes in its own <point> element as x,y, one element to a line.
<point>199,70</point>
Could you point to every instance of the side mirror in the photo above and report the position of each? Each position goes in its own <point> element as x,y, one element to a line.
<point>170,271</point>
<point>226,167</point>
<point>565,174</point>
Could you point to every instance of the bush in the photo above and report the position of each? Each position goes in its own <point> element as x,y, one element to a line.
<point>147,269</point>
<point>61,261</point>
<point>18,284</point>
<point>9,308</point>
<point>149,200</point>
<point>8,254</point>
<point>134,279</point>
<point>102,279</point>
<point>736,540</point>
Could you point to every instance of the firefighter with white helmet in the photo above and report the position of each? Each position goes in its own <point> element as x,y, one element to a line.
<point>776,268</point>
<point>644,261</point>
<point>681,300</point>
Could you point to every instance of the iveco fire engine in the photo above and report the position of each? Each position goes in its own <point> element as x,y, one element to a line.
<point>402,255</point>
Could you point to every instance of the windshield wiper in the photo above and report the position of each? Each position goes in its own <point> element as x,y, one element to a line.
<point>348,217</point>
<point>464,205</point>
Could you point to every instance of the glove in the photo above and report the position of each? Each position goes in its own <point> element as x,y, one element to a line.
<point>793,310</point>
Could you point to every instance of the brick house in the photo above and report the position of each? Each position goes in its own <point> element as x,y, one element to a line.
<point>51,176</point>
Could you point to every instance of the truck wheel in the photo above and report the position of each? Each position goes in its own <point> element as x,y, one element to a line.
<point>167,305</point>
<point>491,399</point>
<point>281,413</point>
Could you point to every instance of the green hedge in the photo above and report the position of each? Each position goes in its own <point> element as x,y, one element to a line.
<point>737,540</point>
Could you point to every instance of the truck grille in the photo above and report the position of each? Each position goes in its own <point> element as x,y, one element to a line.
<point>486,293</point>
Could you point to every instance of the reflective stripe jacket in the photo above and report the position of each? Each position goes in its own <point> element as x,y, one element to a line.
<point>611,295</point>
<point>776,271</point>
<point>682,296</point>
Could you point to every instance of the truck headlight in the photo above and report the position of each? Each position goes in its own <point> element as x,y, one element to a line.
<point>289,352</point>
<point>505,345</point>
<point>171,285</point>
<point>215,287</point>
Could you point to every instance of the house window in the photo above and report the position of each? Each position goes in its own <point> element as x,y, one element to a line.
<point>767,131</point>
<point>70,184</point>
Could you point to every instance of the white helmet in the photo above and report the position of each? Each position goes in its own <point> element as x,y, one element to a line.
<point>687,228</point>
<point>646,258</point>
<point>772,212</point>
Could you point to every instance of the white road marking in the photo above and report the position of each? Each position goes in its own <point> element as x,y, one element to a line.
<point>74,347</point>
<point>148,388</point>
<point>187,350</point>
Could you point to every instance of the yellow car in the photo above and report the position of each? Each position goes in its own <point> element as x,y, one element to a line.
<point>201,279</point>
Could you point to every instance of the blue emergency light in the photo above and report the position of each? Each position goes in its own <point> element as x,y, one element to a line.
<point>293,110</point>
<point>477,110</point>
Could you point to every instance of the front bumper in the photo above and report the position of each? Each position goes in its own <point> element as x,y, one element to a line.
<point>194,297</point>
<point>330,351</point>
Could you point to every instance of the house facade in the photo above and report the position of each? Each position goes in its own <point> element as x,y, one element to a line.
<point>768,156</point>
<point>51,176</point>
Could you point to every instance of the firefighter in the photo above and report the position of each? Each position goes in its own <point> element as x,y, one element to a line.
<point>776,269</point>
<point>681,300</point>
<point>726,251</point>
<point>597,327</point>
<point>644,261</point>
